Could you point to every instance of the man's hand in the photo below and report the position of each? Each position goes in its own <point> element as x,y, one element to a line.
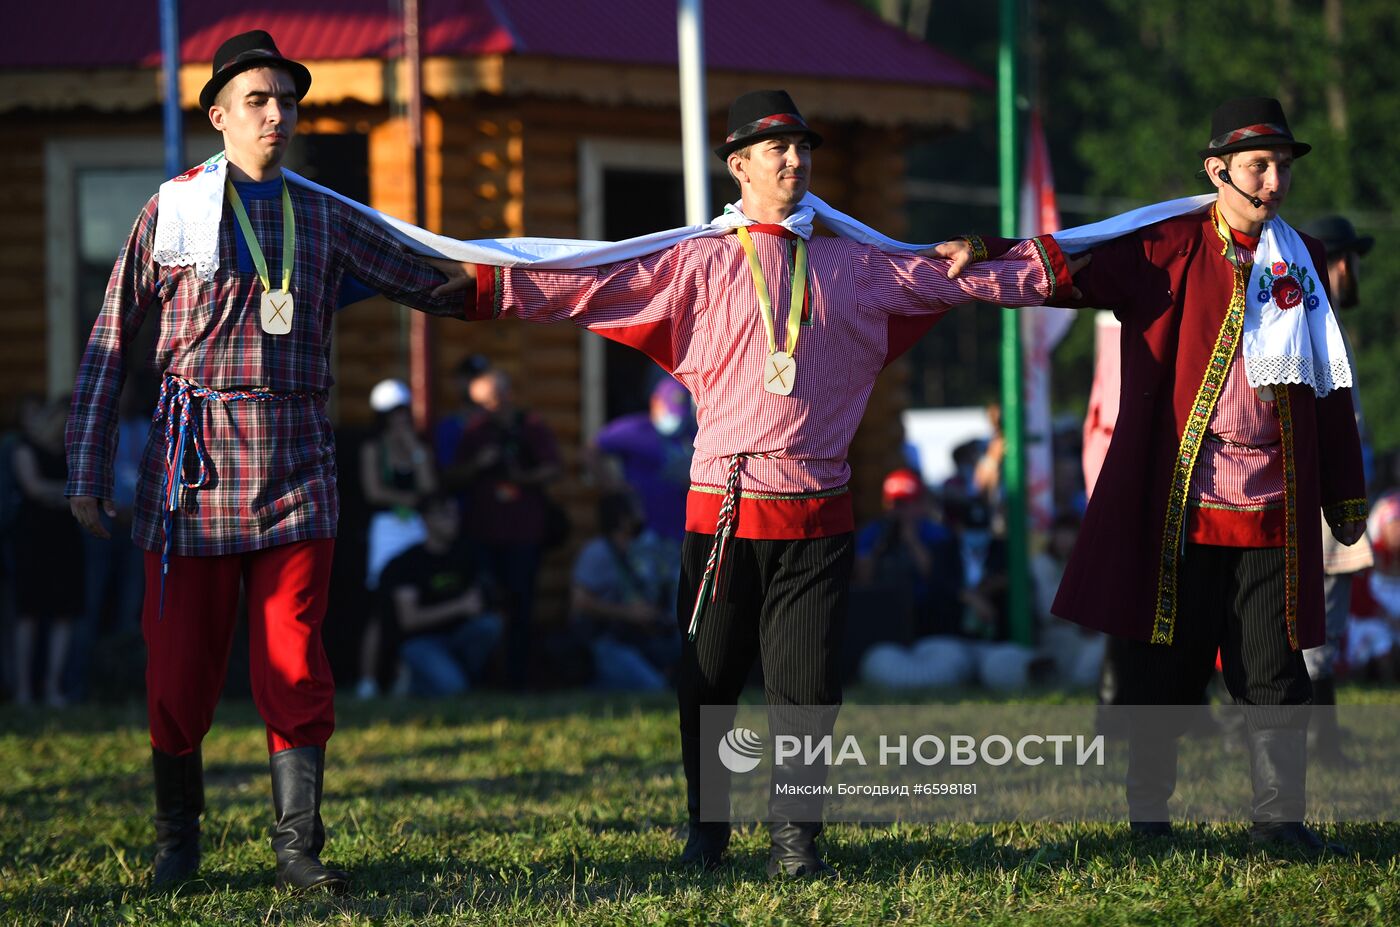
<point>459,275</point>
<point>1349,532</point>
<point>1076,263</point>
<point>85,510</point>
<point>958,252</point>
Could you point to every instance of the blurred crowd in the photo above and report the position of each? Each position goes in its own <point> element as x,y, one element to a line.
<point>442,537</point>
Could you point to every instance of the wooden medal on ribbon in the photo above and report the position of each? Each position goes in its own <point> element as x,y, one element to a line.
<point>780,373</point>
<point>277,305</point>
<point>780,367</point>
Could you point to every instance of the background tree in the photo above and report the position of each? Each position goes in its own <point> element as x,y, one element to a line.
<point>1126,90</point>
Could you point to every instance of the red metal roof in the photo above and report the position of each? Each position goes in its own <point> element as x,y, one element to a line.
<point>818,38</point>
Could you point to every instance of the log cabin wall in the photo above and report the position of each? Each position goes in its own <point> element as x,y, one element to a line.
<point>23,234</point>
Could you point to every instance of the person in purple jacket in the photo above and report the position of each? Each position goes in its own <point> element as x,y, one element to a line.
<point>654,450</point>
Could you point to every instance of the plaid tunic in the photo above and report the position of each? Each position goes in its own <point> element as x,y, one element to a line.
<point>692,308</point>
<point>272,464</point>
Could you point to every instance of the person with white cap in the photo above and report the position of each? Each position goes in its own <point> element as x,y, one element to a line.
<point>396,473</point>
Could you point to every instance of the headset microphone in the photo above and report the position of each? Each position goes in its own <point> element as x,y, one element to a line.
<point>1224,175</point>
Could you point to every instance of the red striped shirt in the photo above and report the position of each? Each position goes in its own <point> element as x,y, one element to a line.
<point>692,308</point>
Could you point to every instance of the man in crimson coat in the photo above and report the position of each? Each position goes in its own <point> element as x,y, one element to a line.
<point>1192,540</point>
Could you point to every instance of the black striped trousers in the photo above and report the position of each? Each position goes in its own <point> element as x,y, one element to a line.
<point>1230,599</point>
<point>780,602</point>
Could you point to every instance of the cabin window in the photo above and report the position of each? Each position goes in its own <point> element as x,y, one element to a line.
<point>94,190</point>
<point>630,189</point>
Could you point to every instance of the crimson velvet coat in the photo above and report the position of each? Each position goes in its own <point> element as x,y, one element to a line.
<point>1181,302</point>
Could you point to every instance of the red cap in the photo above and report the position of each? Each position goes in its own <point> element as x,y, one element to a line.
<point>902,484</point>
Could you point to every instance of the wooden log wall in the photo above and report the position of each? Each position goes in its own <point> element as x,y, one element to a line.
<point>23,315</point>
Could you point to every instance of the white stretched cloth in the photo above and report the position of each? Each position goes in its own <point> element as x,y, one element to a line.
<point>1298,344</point>
<point>191,205</point>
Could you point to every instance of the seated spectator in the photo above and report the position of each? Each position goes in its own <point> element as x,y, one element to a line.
<point>396,473</point>
<point>980,651</point>
<point>623,601</point>
<point>1076,650</point>
<point>439,607</point>
<point>906,550</point>
<point>1372,649</point>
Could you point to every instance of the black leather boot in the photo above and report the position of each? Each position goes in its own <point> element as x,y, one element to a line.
<point>1324,733</point>
<point>794,851</point>
<point>1151,778</point>
<point>707,840</point>
<point>298,834</point>
<point>1278,768</point>
<point>179,803</point>
<point>795,821</point>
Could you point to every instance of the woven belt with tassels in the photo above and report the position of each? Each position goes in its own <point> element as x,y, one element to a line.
<point>724,529</point>
<point>183,433</point>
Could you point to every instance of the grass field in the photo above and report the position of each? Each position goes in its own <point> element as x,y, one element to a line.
<point>566,809</point>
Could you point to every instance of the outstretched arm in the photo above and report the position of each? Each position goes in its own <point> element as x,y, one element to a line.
<point>1031,274</point>
<point>646,303</point>
<point>1107,284</point>
<point>383,265</point>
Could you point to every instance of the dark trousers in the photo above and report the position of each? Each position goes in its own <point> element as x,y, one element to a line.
<point>781,602</point>
<point>1230,600</point>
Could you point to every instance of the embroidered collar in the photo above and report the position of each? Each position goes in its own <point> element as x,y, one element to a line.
<point>1232,242</point>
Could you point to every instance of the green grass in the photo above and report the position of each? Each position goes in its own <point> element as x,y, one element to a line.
<point>567,809</point>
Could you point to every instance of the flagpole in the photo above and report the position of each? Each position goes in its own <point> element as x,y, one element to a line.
<point>690,38</point>
<point>172,118</point>
<point>420,339</point>
<point>1013,480</point>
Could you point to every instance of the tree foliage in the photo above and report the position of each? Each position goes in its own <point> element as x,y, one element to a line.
<point>1127,88</point>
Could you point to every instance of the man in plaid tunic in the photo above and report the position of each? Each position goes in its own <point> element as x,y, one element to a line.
<point>774,586</point>
<point>242,434</point>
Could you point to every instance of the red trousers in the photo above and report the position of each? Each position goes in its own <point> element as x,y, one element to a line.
<point>187,647</point>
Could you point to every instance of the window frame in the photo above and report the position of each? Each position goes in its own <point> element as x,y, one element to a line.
<point>595,157</point>
<point>64,158</point>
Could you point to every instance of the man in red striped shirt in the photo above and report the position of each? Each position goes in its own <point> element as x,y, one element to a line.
<point>779,338</point>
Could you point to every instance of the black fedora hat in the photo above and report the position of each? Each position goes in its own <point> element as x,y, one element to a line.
<point>763,114</point>
<point>1338,235</point>
<point>246,51</point>
<point>1248,124</point>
